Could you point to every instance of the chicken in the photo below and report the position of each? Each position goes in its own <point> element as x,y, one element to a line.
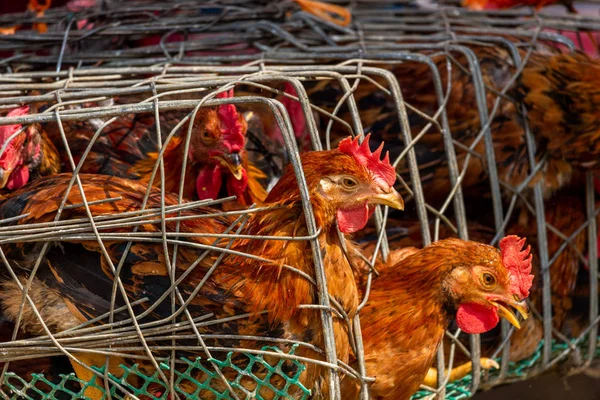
<point>217,165</point>
<point>559,93</point>
<point>566,98</point>
<point>75,282</point>
<point>26,156</point>
<point>404,238</point>
<point>565,213</point>
<point>411,306</point>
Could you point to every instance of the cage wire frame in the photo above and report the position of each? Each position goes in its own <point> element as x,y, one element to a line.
<point>266,32</point>
<point>370,47</point>
<point>66,116</point>
<point>281,121</point>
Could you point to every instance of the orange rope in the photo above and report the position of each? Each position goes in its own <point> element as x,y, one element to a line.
<point>329,12</point>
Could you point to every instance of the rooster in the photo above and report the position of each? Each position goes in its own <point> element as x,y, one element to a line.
<point>565,213</point>
<point>27,155</point>
<point>559,94</point>
<point>217,163</point>
<point>410,307</point>
<point>74,283</point>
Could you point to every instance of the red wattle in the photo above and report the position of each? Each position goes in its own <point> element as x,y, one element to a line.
<point>237,187</point>
<point>18,178</point>
<point>208,183</point>
<point>474,318</point>
<point>353,219</point>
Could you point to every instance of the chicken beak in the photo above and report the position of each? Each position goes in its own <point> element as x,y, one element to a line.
<point>233,162</point>
<point>506,312</point>
<point>390,199</point>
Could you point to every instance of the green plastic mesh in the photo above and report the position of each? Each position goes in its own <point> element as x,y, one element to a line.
<point>152,387</point>
<point>460,389</point>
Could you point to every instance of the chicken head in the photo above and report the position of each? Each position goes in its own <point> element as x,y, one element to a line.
<point>498,283</point>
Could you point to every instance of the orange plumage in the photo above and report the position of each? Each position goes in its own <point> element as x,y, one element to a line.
<point>216,160</point>
<point>565,213</point>
<point>559,92</point>
<point>413,301</point>
<point>79,278</point>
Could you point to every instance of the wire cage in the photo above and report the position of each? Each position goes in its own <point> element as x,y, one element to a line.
<point>150,33</point>
<point>385,73</point>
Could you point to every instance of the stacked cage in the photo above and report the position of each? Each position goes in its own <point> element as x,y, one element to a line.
<point>140,82</point>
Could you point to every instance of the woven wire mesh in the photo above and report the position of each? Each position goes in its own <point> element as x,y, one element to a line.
<point>352,56</point>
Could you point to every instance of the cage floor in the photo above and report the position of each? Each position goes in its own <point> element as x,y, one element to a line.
<point>547,387</point>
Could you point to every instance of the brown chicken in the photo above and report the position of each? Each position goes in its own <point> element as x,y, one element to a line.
<point>410,307</point>
<point>564,212</point>
<point>75,280</point>
<point>217,163</point>
<point>559,93</point>
<point>404,238</point>
<point>27,156</point>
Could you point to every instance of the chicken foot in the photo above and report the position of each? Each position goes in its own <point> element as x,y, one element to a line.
<point>87,376</point>
<point>459,372</point>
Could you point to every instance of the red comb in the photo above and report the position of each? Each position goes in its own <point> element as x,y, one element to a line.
<point>231,127</point>
<point>381,169</point>
<point>7,130</point>
<point>518,264</point>
<point>9,158</point>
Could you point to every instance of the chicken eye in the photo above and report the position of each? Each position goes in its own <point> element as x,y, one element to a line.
<point>349,183</point>
<point>206,136</point>
<point>488,279</point>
